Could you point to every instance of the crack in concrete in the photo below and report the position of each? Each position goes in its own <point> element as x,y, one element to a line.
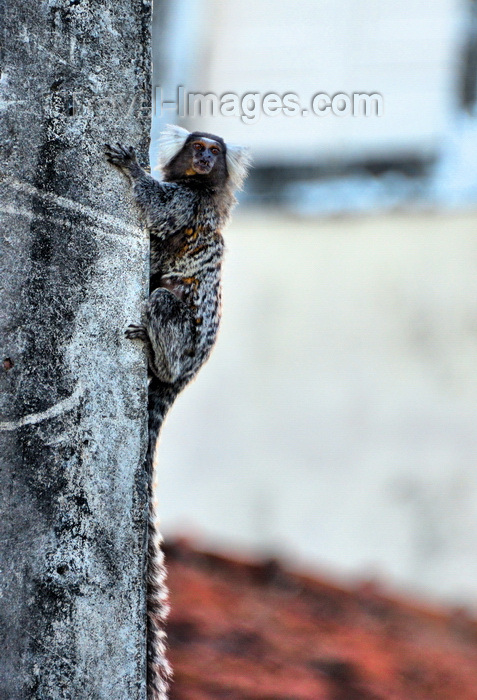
<point>65,203</point>
<point>52,412</point>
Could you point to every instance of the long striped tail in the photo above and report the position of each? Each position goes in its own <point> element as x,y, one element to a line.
<point>161,398</point>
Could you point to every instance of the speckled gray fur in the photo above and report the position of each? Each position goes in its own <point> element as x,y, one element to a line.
<point>185,216</point>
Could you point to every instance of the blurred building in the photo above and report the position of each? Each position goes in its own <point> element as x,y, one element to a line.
<point>335,422</point>
<point>420,58</point>
<point>406,52</point>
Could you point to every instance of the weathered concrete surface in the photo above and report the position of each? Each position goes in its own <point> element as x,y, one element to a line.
<point>73,272</point>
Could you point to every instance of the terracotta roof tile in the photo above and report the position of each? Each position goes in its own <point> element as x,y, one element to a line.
<point>240,630</point>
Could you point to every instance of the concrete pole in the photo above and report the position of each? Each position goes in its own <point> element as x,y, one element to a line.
<point>73,272</point>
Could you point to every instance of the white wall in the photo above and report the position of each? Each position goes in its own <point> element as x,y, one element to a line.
<point>406,51</point>
<point>336,420</point>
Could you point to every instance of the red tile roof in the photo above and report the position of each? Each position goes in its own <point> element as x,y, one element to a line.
<point>242,630</point>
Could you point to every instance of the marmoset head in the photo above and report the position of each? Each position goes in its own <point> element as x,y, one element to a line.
<point>205,158</point>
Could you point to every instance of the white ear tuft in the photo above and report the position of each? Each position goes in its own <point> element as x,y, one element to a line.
<point>171,141</point>
<point>238,161</point>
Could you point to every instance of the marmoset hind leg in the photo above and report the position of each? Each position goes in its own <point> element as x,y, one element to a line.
<point>169,334</point>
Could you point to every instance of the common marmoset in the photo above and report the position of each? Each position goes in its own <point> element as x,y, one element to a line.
<point>185,213</point>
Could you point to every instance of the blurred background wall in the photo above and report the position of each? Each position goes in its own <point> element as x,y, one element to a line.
<point>335,424</point>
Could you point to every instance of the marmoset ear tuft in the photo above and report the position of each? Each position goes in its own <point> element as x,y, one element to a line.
<point>238,161</point>
<point>171,141</point>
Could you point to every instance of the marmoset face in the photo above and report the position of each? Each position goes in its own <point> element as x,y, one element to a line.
<point>204,155</point>
<point>201,161</point>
